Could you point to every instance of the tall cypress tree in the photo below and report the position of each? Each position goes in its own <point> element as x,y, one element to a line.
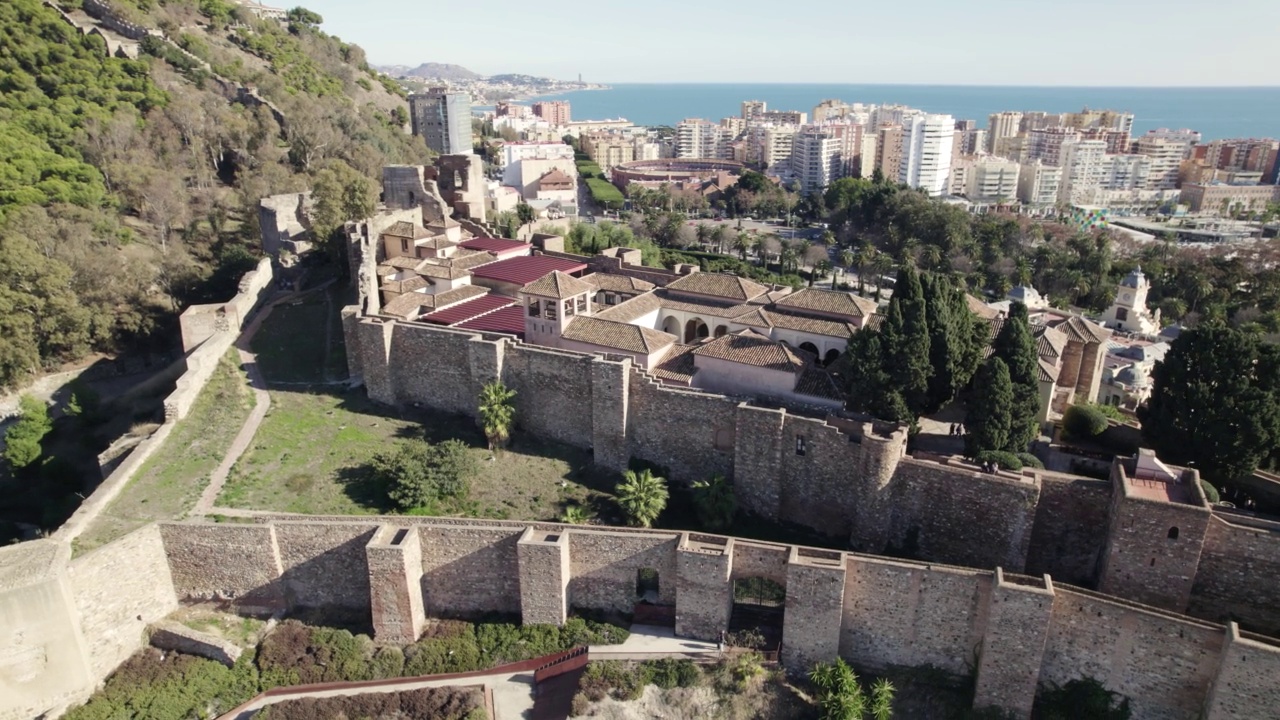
<point>989,423</point>
<point>906,341</point>
<point>871,386</point>
<point>1017,348</point>
<point>971,337</point>
<point>946,344</point>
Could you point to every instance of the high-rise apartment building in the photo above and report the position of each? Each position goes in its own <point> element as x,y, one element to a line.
<point>1082,171</point>
<point>698,138</point>
<point>555,112</point>
<point>1038,184</point>
<point>773,144</point>
<point>1038,120</point>
<point>1258,155</point>
<point>991,180</point>
<point>927,142</point>
<point>815,157</point>
<point>889,150</point>
<point>442,117</point>
<point>1127,172</point>
<point>1046,144</point>
<point>829,110</point>
<point>753,109</point>
<point>784,117</point>
<point>1165,155</point>
<point>857,148</point>
<point>1002,126</point>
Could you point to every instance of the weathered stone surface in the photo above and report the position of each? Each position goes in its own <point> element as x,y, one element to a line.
<point>1236,576</point>
<point>815,606</point>
<point>544,576</point>
<point>1018,618</point>
<point>394,557</point>
<point>174,636</point>
<point>704,594</point>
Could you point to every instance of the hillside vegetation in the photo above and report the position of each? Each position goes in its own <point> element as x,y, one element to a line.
<point>128,188</point>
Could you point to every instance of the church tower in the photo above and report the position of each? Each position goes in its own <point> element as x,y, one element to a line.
<point>1128,312</point>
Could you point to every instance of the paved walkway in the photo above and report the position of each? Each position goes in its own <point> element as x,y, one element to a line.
<point>650,641</point>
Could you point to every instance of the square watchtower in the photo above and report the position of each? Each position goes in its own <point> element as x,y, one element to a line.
<point>1157,525</point>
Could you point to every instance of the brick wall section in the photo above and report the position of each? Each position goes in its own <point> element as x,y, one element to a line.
<point>1142,562</point>
<point>312,555</point>
<point>351,338</point>
<point>469,571</point>
<point>394,557</point>
<point>963,517</point>
<point>815,605</point>
<point>1246,679</point>
<point>1065,540</point>
<point>704,599</point>
<point>544,380</point>
<point>544,577</point>
<point>752,560</point>
<point>610,395</point>
<point>1236,577</point>
<point>169,635</point>
<point>1162,662</point>
<point>1018,618</point>
<point>604,567</point>
<point>758,445</point>
<point>374,348</point>
<point>119,589</point>
<point>677,429</point>
<point>247,569</point>
<point>906,615</point>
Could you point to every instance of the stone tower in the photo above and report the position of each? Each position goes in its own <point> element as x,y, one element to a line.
<point>1128,312</point>
<point>1157,525</point>
<point>882,446</point>
<point>551,302</point>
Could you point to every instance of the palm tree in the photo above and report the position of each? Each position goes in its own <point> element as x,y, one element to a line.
<point>846,260</point>
<point>882,693</point>
<point>497,414</point>
<point>715,502</point>
<point>841,696</point>
<point>642,497</point>
<point>703,234</point>
<point>718,237</point>
<point>761,248</point>
<point>575,515</point>
<point>820,270</point>
<point>742,243</point>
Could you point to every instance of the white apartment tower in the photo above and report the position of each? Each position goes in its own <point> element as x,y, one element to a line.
<point>697,138</point>
<point>1002,126</point>
<point>927,142</point>
<point>1082,171</point>
<point>1038,184</point>
<point>1166,156</point>
<point>992,180</point>
<point>815,158</point>
<point>753,109</point>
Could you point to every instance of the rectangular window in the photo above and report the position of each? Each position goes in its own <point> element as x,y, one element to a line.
<point>404,244</point>
<point>534,309</point>
<point>568,307</point>
<point>551,310</point>
<point>799,445</point>
<point>1122,314</point>
<point>582,303</point>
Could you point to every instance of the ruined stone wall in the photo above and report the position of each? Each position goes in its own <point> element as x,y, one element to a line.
<point>544,576</point>
<point>815,605</point>
<point>604,568</point>
<point>553,392</point>
<point>469,571</point>
<point>1164,663</point>
<point>312,555</point>
<point>898,614</point>
<point>119,589</point>
<point>678,429</point>
<point>1017,625</point>
<point>1065,540</point>
<point>248,572</point>
<point>1236,577</point>
<point>952,515</point>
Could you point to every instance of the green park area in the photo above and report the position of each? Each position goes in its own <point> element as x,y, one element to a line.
<point>170,482</point>
<point>301,340</point>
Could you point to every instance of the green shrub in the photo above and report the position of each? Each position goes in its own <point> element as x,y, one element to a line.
<point>1082,699</point>
<point>1084,421</point>
<point>1005,460</point>
<point>1029,460</point>
<point>175,688</point>
<point>294,653</point>
<point>416,474</point>
<point>669,673</point>
<point>611,678</point>
<point>1210,492</point>
<point>388,662</point>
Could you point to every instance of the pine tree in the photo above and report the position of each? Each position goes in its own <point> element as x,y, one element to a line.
<point>990,417</point>
<point>1017,348</point>
<point>1214,403</point>
<point>906,342</point>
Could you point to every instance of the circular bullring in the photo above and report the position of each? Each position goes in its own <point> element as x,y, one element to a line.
<point>674,170</point>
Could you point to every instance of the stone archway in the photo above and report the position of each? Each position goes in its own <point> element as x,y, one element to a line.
<point>696,329</point>
<point>671,326</point>
<point>722,330</point>
<point>811,349</point>
<point>831,356</point>
<point>759,606</point>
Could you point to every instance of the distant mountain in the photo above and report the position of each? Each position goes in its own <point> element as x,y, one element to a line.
<point>435,71</point>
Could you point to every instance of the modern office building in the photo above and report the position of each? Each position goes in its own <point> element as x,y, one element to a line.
<point>442,117</point>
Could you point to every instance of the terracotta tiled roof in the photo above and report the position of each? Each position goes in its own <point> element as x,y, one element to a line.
<point>751,348</point>
<point>816,382</point>
<point>416,282</point>
<point>553,177</point>
<point>440,272</point>
<point>408,305</point>
<point>457,295</point>
<point>385,270</point>
<point>981,309</point>
<point>839,303</point>
<point>1050,342</point>
<point>754,317</point>
<point>445,224</point>
<point>1077,328</point>
<point>817,326</point>
<point>617,283</point>
<point>1048,371</point>
<point>558,285</point>
<point>405,229</point>
<point>677,366</point>
<point>629,310</point>
<point>434,242</point>
<point>468,260</point>
<point>616,335</point>
<point>402,262</point>
<point>729,287</point>
<point>494,245</point>
<point>875,322</point>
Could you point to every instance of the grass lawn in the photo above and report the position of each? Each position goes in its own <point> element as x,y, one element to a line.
<point>301,341</point>
<point>311,452</point>
<point>170,482</point>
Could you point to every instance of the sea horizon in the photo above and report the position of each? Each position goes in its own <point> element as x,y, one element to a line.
<point>1215,111</point>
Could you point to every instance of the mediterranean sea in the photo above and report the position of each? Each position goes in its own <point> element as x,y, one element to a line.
<point>1214,112</point>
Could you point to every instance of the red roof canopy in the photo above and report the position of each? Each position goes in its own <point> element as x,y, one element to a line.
<point>524,270</point>
<point>509,320</point>
<point>495,245</point>
<point>467,310</point>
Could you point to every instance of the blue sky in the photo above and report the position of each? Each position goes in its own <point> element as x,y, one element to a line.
<point>994,42</point>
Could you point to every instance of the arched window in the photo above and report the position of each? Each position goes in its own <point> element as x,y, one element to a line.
<point>1173,533</point>
<point>831,356</point>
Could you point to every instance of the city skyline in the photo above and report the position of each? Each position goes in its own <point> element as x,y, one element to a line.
<point>948,44</point>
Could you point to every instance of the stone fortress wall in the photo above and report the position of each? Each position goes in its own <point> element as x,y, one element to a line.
<point>841,478</point>
<point>68,623</point>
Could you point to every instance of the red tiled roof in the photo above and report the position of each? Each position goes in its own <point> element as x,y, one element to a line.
<point>509,320</point>
<point>467,310</point>
<point>495,245</point>
<point>524,270</point>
